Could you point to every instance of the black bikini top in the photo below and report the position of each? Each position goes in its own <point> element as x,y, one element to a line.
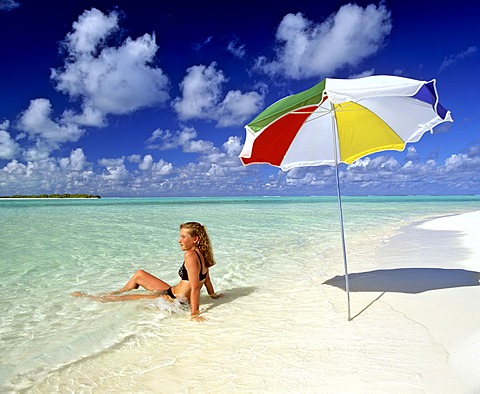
<point>183,273</point>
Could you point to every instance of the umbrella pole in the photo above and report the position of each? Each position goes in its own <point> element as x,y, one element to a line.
<point>339,197</point>
<point>347,286</point>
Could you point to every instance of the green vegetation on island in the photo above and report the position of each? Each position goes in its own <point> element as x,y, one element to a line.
<point>65,195</point>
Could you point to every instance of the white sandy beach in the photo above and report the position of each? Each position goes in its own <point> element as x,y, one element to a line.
<point>449,248</point>
<point>415,329</point>
<point>432,288</point>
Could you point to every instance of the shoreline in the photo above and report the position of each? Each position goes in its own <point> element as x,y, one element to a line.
<point>443,259</point>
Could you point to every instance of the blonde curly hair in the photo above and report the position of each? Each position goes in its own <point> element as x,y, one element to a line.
<point>196,229</point>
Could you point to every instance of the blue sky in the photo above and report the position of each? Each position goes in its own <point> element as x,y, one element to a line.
<point>141,98</point>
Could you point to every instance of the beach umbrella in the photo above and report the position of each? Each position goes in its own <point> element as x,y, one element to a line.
<point>341,120</point>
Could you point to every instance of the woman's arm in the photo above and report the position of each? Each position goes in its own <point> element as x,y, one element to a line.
<point>192,266</point>
<point>209,286</point>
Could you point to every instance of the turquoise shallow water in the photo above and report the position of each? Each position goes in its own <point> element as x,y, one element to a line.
<point>50,248</point>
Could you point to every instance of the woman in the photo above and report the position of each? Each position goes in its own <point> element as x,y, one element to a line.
<point>194,273</point>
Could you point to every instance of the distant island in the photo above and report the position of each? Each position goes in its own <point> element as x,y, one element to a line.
<point>65,195</point>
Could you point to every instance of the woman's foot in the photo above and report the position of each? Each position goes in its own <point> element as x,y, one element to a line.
<point>79,294</point>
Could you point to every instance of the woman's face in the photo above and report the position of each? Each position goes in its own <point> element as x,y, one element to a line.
<point>186,241</point>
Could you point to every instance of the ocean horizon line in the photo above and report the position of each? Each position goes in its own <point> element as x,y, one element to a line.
<point>298,196</point>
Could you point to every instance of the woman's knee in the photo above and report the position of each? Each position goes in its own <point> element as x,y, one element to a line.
<point>140,274</point>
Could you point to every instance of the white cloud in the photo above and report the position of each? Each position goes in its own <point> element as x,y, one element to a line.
<point>462,161</point>
<point>235,48</point>
<point>198,146</point>
<point>76,162</point>
<point>199,46</point>
<point>8,147</point>
<point>166,139</point>
<point>71,174</point>
<point>474,151</point>
<point>382,174</point>
<point>158,168</point>
<point>14,168</point>
<point>451,60</point>
<point>116,174</point>
<point>8,5</point>
<point>369,164</point>
<point>233,146</point>
<point>412,153</point>
<point>344,39</point>
<point>116,162</point>
<point>39,151</point>
<point>134,158</point>
<point>202,98</point>
<point>216,171</point>
<point>299,177</point>
<point>366,73</point>
<point>108,80</point>
<point>146,164</point>
<point>46,133</point>
<point>36,121</point>
<point>237,108</point>
<point>219,172</point>
<point>89,117</point>
<point>162,168</point>
<point>185,139</point>
<point>91,29</point>
<point>201,89</point>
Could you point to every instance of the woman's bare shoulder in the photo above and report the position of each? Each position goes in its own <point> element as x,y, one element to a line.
<point>190,257</point>
<point>190,254</point>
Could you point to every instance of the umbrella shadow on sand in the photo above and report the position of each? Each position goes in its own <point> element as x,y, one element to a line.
<point>406,280</point>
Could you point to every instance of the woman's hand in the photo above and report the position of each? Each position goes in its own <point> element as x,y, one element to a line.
<point>215,295</point>
<point>196,317</point>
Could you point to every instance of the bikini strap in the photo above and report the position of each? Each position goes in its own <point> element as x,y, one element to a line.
<point>201,265</point>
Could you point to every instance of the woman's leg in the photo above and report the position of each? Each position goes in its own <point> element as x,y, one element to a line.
<point>146,280</point>
<point>125,297</point>
<point>140,278</point>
